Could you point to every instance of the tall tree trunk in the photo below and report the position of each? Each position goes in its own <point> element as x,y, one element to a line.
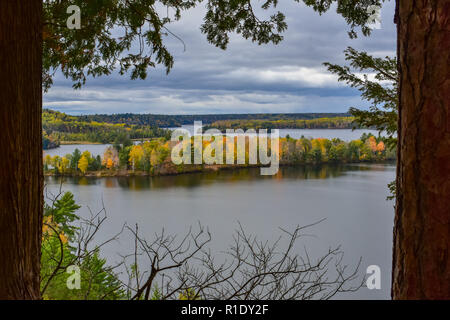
<point>21,181</point>
<point>421,266</point>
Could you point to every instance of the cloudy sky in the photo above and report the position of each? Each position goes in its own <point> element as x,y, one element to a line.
<point>246,78</point>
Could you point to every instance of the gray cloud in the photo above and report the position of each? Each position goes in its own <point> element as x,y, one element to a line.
<point>246,77</point>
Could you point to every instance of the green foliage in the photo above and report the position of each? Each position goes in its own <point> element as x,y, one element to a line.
<point>122,141</point>
<point>96,164</point>
<point>62,212</point>
<point>318,123</point>
<point>355,13</point>
<point>156,294</point>
<point>189,294</point>
<point>124,156</point>
<point>380,91</point>
<point>65,127</point>
<point>76,156</point>
<point>224,17</point>
<point>392,189</point>
<point>168,121</point>
<point>98,281</point>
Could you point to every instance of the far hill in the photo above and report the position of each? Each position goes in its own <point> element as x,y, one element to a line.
<point>166,121</point>
<point>59,127</point>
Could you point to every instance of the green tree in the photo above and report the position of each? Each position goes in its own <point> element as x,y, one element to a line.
<point>76,156</point>
<point>122,141</point>
<point>380,90</point>
<point>59,231</point>
<point>124,156</point>
<point>332,154</point>
<point>316,155</point>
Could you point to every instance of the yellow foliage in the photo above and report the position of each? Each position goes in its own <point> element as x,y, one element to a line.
<point>48,159</point>
<point>136,155</point>
<point>63,165</point>
<point>189,294</point>
<point>83,164</point>
<point>47,230</point>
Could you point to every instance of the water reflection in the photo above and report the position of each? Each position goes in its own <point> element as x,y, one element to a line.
<point>193,180</point>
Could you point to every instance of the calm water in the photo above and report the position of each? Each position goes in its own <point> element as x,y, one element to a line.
<point>94,149</point>
<point>352,198</point>
<point>343,134</point>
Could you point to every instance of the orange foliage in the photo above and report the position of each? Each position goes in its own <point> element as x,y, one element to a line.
<point>109,163</point>
<point>372,143</point>
<point>381,147</point>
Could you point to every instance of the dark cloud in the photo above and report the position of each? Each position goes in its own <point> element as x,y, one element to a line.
<point>246,77</point>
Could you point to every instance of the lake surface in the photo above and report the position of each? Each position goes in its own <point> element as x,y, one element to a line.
<point>94,149</point>
<point>352,199</point>
<point>344,134</point>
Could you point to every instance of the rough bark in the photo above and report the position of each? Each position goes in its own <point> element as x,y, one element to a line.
<point>421,260</point>
<point>21,183</point>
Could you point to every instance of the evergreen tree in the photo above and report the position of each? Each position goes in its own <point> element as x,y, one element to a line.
<point>380,91</point>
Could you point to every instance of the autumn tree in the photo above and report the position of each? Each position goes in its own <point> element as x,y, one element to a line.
<point>83,164</point>
<point>136,156</point>
<point>110,158</point>
<point>64,165</point>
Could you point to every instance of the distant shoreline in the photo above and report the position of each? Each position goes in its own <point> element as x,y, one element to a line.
<point>80,142</point>
<point>172,171</point>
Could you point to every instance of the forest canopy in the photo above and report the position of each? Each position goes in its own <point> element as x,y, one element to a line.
<point>318,123</point>
<point>59,126</point>
<point>179,120</point>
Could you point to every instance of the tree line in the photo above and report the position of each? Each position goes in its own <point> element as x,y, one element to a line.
<point>154,157</point>
<point>59,127</point>
<point>317,123</point>
<point>167,121</point>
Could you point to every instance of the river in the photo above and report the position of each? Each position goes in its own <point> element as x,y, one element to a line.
<point>352,199</point>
